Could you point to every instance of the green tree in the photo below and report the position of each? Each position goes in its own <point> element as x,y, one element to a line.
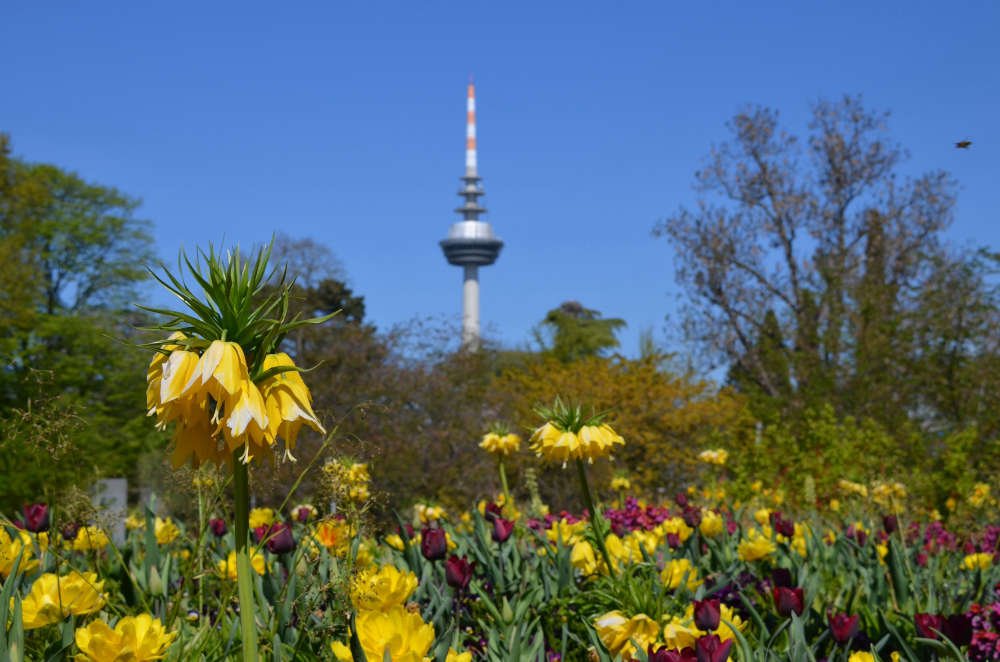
<point>73,253</point>
<point>819,274</point>
<point>571,332</point>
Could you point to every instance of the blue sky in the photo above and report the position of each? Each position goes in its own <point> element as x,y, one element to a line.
<point>344,122</point>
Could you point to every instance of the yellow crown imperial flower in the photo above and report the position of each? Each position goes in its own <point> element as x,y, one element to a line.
<point>288,401</point>
<point>53,598</point>
<point>568,435</point>
<point>133,639</point>
<point>500,444</point>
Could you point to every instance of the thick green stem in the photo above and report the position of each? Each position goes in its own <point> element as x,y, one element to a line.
<point>244,572</point>
<point>506,490</point>
<point>595,522</point>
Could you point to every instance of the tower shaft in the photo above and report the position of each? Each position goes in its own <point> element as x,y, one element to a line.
<point>470,307</point>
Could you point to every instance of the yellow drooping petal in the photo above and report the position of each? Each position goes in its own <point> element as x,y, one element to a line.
<point>221,372</point>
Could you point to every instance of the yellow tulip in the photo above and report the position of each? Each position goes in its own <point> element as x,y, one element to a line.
<point>11,548</point>
<point>133,639</point>
<point>53,598</point>
<point>618,633</point>
<point>382,588</point>
<point>395,633</point>
<point>227,567</point>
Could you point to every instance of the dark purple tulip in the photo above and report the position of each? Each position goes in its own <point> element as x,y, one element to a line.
<point>692,517</point>
<point>492,511</point>
<point>502,528</point>
<point>69,530</point>
<point>218,526</point>
<point>785,527</point>
<point>927,624</point>
<point>664,654</point>
<point>433,544</point>
<point>958,629</point>
<point>259,533</point>
<point>458,572</point>
<point>843,627</point>
<point>781,577</point>
<point>712,649</point>
<point>706,615</point>
<point>890,523</point>
<point>681,499</point>
<point>673,540</point>
<point>303,514</point>
<point>36,517</point>
<point>279,538</point>
<point>788,601</point>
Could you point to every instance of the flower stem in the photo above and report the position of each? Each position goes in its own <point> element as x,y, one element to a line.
<point>244,572</point>
<point>503,482</point>
<point>595,522</point>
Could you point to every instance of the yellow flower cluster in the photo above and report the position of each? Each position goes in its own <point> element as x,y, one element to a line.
<point>980,495</point>
<point>165,530</point>
<point>621,484</point>
<point>386,629</point>
<point>53,598</point>
<point>133,639</point>
<point>590,442</point>
<point>981,561</point>
<point>677,572</point>
<point>712,524</point>
<point>888,495</point>
<point>382,588</point>
<point>215,406</point>
<point>227,567</point>
<point>717,456</point>
<point>500,444</point>
<point>852,488</point>
<point>349,479</point>
<point>427,513</point>
<point>755,546</point>
<point>621,634</point>
<point>90,538</point>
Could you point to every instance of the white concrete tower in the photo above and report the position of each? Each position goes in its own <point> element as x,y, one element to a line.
<point>471,243</point>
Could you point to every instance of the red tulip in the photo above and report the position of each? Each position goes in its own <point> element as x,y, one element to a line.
<point>843,627</point>
<point>788,601</point>
<point>927,624</point>
<point>433,544</point>
<point>218,526</point>
<point>663,654</point>
<point>458,572</point>
<point>712,649</point>
<point>502,528</point>
<point>36,517</point>
<point>706,614</point>
<point>279,538</point>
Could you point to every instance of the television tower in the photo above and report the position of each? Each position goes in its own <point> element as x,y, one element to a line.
<point>471,243</point>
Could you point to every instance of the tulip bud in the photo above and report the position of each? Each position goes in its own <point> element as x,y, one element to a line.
<point>458,572</point>
<point>788,601</point>
<point>785,527</point>
<point>36,517</point>
<point>681,499</point>
<point>843,627</point>
<point>280,539</point>
<point>692,517</point>
<point>433,544</point>
<point>69,530</point>
<point>706,614</point>
<point>890,523</point>
<point>502,528</point>
<point>218,526</point>
<point>712,649</point>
